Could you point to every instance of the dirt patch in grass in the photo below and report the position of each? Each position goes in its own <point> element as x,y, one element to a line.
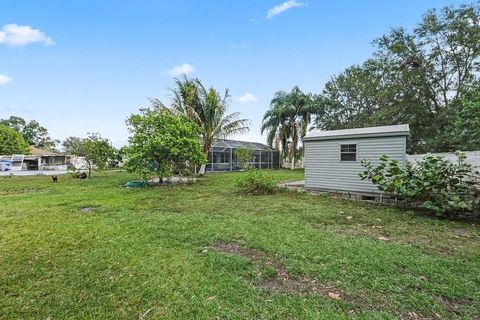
<point>457,306</point>
<point>87,209</point>
<point>274,277</point>
<point>19,191</point>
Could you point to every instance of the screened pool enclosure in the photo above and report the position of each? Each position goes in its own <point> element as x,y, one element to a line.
<point>221,156</point>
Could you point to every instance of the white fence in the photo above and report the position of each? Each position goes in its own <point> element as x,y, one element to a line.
<point>473,157</point>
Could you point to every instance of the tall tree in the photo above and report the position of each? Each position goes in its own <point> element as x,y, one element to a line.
<point>288,118</point>
<point>35,134</point>
<point>416,77</point>
<point>372,95</point>
<point>442,54</point>
<point>11,141</point>
<point>350,98</point>
<point>97,151</point>
<point>208,109</point>
<point>466,123</point>
<point>73,145</point>
<point>278,130</point>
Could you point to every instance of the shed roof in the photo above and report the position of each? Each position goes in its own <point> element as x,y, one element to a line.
<point>396,130</point>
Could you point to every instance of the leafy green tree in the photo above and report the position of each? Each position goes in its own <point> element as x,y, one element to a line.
<point>288,119</point>
<point>73,145</point>
<point>11,141</point>
<point>208,109</point>
<point>370,95</point>
<point>35,134</point>
<point>440,56</point>
<point>162,142</point>
<point>350,98</point>
<point>417,77</point>
<point>466,123</point>
<point>98,152</point>
<point>244,156</point>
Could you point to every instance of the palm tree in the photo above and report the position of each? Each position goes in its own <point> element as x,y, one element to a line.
<point>287,120</point>
<point>208,109</point>
<point>275,123</point>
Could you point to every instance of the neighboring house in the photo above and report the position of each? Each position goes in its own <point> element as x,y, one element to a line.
<point>40,159</point>
<point>221,156</point>
<point>332,158</point>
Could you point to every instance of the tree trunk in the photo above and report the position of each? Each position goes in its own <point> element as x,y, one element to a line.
<point>293,149</point>
<point>206,149</point>
<point>89,169</point>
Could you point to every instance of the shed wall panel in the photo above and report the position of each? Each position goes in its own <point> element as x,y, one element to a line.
<point>324,170</point>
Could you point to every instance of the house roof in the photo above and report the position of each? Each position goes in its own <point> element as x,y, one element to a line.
<point>40,152</point>
<point>225,143</point>
<point>396,130</point>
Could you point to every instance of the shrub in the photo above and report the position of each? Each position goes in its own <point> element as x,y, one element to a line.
<point>256,182</point>
<point>440,185</point>
<point>162,142</point>
<point>244,156</point>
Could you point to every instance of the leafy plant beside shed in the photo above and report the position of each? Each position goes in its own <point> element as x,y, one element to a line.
<point>437,184</point>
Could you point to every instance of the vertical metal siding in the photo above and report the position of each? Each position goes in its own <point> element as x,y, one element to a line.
<point>324,170</point>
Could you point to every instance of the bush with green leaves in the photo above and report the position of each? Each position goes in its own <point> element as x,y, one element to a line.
<point>11,141</point>
<point>446,187</point>
<point>256,182</point>
<point>162,142</point>
<point>244,156</point>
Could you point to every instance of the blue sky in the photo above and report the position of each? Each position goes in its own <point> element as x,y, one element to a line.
<point>85,66</point>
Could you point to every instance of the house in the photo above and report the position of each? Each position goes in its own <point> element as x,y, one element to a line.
<point>332,158</point>
<point>221,156</point>
<point>40,159</point>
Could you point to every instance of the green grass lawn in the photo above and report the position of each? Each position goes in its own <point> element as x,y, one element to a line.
<point>203,252</point>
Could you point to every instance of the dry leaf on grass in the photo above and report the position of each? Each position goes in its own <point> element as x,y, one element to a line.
<point>334,296</point>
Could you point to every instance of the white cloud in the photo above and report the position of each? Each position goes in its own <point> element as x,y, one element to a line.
<point>283,7</point>
<point>247,97</point>
<point>181,69</point>
<point>17,36</point>
<point>4,79</point>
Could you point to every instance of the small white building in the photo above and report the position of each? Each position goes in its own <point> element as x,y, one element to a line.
<point>332,158</point>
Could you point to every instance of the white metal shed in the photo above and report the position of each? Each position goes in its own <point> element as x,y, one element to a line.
<point>332,158</point>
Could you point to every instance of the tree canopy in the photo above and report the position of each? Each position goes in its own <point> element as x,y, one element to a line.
<point>162,142</point>
<point>98,151</point>
<point>73,146</point>
<point>35,134</point>
<point>11,141</point>
<point>287,120</point>
<point>420,77</point>
<point>208,109</point>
